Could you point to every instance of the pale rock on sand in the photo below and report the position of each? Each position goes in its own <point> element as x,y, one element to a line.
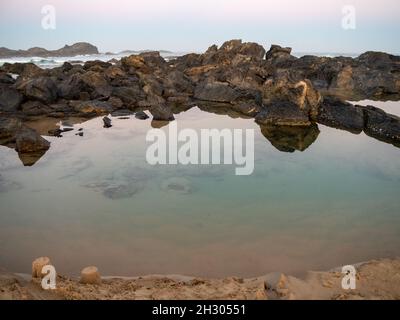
<point>90,275</point>
<point>37,266</point>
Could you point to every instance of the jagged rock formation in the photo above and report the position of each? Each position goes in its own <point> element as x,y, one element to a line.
<point>274,87</point>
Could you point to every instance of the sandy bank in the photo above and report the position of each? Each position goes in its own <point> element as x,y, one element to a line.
<point>378,279</point>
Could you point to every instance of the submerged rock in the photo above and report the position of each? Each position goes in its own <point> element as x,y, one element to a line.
<point>289,138</point>
<point>177,184</point>
<point>115,191</point>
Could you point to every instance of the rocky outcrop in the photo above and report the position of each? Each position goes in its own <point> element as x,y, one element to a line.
<point>353,118</point>
<point>238,79</point>
<point>80,48</point>
<point>372,75</point>
<point>382,126</point>
<point>341,115</point>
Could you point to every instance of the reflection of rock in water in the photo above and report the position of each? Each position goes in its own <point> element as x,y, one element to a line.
<point>29,159</point>
<point>290,139</point>
<point>158,124</point>
<point>26,141</point>
<point>177,184</point>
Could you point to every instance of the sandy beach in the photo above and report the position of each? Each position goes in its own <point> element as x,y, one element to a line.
<point>376,280</point>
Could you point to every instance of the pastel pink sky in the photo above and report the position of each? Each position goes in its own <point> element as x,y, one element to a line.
<point>213,9</point>
<point>193,25</point>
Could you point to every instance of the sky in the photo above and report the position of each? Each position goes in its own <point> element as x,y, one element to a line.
<point>194,25</point>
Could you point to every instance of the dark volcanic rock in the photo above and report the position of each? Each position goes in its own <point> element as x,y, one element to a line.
<point>277,51</point>
<point>5,78</point>
<point>216,92</point>
<point>283,114</point>
<point>8,129</point>
<point>26,70</point>
<point>162,113</point>
<point>129,95</point>
<point>35,108</point>
<point>96,65</point>
<point>280,57</point>
<point>43,89</point>
<point>238,79</point>
<point>10,99</point>
<point>107,122</point>
<point>91,82</point>
<point>373,75</point>
<point>341,115</point>
<point>381,125</point>
<point>91,108</point>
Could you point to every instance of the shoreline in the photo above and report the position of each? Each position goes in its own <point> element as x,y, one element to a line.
<point>375,280</point>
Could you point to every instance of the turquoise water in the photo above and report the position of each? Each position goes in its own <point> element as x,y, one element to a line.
<point>94,200</point>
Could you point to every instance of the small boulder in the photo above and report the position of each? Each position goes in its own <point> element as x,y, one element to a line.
<point>37,266</point>
<point>161,113</point>
<point>107,122</point>
<point>90,275</point>
<point>141,115</point>
<point>381,125</point>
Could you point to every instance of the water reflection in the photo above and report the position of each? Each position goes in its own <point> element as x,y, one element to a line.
<point>283,138</point>
<point>94,200</point>
<point>290,139</point>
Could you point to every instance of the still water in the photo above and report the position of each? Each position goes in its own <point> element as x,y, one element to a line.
<point>94,200</point>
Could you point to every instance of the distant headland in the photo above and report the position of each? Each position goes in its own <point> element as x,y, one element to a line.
<point>80,48</point>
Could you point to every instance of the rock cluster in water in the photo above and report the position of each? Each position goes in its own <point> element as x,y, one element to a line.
<point>286,95</point>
